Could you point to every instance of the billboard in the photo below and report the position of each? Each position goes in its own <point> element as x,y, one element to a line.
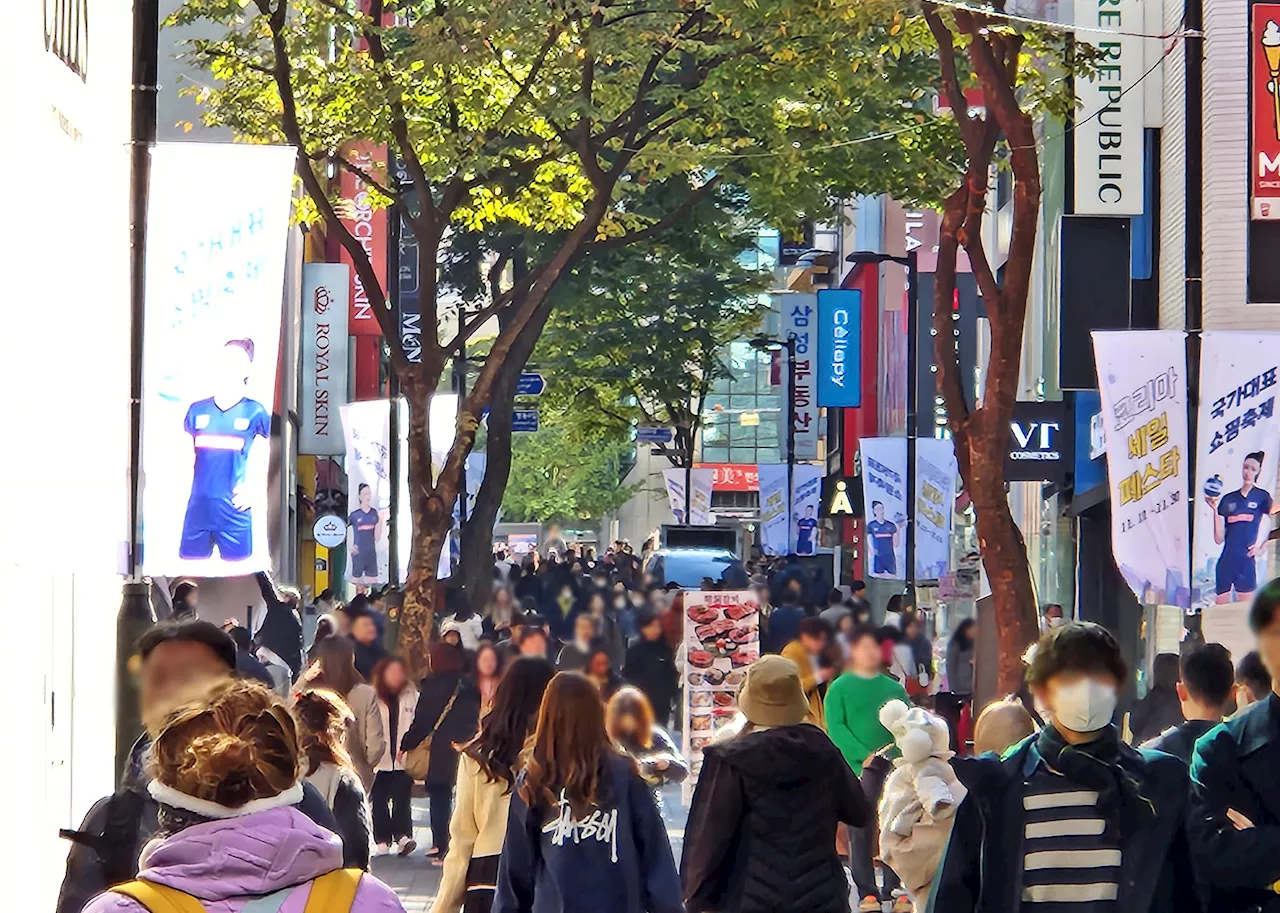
<point>366,427</point>
<point>775,509</point>
<point>214,279</point>
<point>1264,105</point>
<point>839,357</point>
<point>1237,463</point>
<point>799,315</point>
<point>884,489</point>
<point>368,226</point>
<point>325,287</point>
<point>806,498</point>
<point>935,485</point>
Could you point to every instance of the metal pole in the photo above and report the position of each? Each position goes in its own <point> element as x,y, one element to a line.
<point>791,439</point>
<point>913,384</point>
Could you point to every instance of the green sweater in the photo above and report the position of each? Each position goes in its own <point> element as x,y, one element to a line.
<point>852,709</point>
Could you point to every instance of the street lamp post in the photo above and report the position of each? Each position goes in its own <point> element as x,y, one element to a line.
<point>767,344</point>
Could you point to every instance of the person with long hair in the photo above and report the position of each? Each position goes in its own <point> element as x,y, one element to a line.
<point>488,666</point>
<point>392,786</point>
<point>228,768</point>
<point>583,834</point>
<point>335,670</point>
<point>629,721</point>
<point>323,718</point>
<point>599,670</point>
<point>486,776</point>
<point>448,711</point>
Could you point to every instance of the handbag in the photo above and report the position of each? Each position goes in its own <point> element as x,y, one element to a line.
<point>417,760</point>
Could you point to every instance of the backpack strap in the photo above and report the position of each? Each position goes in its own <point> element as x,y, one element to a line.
<point>159,898</point>
<point>332,892</point>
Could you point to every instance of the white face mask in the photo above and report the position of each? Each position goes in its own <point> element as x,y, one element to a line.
<point>1084,706</point>
<point>1056,622</point>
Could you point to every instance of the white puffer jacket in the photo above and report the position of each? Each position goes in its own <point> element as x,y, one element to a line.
<point>407,704</point>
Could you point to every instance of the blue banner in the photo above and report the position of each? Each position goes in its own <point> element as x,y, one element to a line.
<point>839,363</point>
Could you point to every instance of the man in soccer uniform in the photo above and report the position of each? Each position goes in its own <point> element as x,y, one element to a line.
<point>365,525</point>
<point>806,533</point>
<point>223,429</point>
<point>884,541</point>
<point>1237,527</point>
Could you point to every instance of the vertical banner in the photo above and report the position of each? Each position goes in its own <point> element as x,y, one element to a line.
<point>884,491</point>
<point>701,481</point>
<point>1109,154</point>
<point>673,479</point>
<point>775,508</point>
<point>806,497</point>
<point>839,348</point>
<point>214,279</point>
<point>1264,106</point>
<point>325,287</point>
<point>1142,385</point>
<point>367,428</point>
<point>935,505</point>
<point>799,313</point>
<point>1237,464</point>
<point>367,225</point>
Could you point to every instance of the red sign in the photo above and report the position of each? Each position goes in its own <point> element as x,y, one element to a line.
<point>1264,93</point>
<point>368,226</point>
<point>732,476</point>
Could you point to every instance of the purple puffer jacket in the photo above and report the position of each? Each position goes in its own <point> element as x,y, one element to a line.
<point>225,863</point>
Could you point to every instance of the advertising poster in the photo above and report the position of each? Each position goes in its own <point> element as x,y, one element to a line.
<point>1237,463</point>
<point>884,491</point>
<point>442,425</point>
<point>367,225</point>
<point>775,507</point>
<point>721,639</point>
<point>799,318</point>
<point>699,501</point>
<point>806,498</point>
<point>1142,386</point>
<point>214,283</point>
<point>367,427</point>
<point>1264,101</point>
<point>324,357</point>
<point>935,505</point>
<point>840,348</point>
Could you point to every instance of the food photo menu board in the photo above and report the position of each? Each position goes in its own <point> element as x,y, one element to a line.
<point>721,639</point>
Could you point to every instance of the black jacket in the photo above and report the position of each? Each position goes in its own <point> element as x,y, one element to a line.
<point>651,667</point>
<point>761,835</point>
<point>1180,741</point>
<point>367,656</point>
<point>281,628</point>
<point>981,869</point>
<point>351,812</point>
<point>249,666</point>
<point>1237,765</point>
<point>1155,713</point>
<point>458,725</point>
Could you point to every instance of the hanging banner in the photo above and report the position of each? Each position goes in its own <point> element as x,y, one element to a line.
<point>367,429</point>
<point>799,317</point>
<point>442,425</point>
<point>674,481</point>
<point>935,506</point>
<point>775,508</point>
<point>1142,385</point>
<point>839,348</point>
<point>884,488</point>
<point>1237,463</point>
<point>324,357</point>
<point>1264,104</point>
<point>214,280</point>
<point>806,498</point>
<point>367,225</point>
<point>699,495</point>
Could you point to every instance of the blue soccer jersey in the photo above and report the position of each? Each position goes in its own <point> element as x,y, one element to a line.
<point>222,441</point>
<point>881,533</point>
<point>1243,514</point>
<point>806,531</point>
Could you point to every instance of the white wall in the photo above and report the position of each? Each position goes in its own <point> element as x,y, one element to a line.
<point>647,510</point>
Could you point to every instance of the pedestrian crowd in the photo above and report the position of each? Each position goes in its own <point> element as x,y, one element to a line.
<point>854,777</point>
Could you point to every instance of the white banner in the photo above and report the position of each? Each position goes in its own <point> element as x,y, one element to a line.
<point>775,508</point>
<point>214,281</point>
<point>806,498</point>
<point>699,496</point>
<point>1142,385</point>
<point>884,491</point>
<point>325,287</point>
<point>935,506</point>
<point>1237,464</point>
<point>442,421</point>
<point>799,319</point>
<point>367,428</point>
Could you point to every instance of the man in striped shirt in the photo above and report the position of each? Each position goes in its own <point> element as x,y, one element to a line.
<point>1072,819</point>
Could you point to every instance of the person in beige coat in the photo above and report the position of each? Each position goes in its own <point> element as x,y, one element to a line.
<point>392,785</point>
<point>335,669</point>
<point>486,775</point>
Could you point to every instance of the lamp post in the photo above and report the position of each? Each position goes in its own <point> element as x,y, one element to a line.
<point>913,383</point>
<point>767,344</point>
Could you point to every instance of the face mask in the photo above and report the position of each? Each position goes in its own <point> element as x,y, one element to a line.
<point>1056,622</point>
<point>1085,706</point>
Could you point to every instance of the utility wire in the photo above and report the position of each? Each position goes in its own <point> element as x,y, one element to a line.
<point>991,12</point>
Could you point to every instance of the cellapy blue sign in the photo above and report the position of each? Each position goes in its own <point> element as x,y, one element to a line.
<point>1090,471</point>
<point>839,364</point>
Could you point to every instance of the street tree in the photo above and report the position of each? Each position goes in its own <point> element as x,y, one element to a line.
<point>556,477</point>
<point>552,116</point>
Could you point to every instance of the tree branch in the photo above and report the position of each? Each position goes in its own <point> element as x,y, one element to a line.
<point>696,196</point>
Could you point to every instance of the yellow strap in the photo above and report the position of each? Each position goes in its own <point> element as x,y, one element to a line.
<point>333,892</point>
<point>159,898</point>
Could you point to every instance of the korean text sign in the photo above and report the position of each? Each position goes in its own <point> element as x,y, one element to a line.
<point>799,322</point>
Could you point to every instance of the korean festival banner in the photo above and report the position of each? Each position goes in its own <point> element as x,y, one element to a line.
<point>214,283</point>
<point>884,487</point>
<point>775,508</point>
<point>935,506</point>
<point>699,495</point>
<point>1237,464</point>
<point>721,639</point>
<point>806,497</point>
<point>1142,386</point>
<point>367,428</point>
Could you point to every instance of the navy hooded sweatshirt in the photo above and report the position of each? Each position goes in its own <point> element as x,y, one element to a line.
<point>616,859</point>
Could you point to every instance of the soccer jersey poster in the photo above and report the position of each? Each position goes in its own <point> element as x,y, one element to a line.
<point>1237,463</point>
<point>214,282</point>
<point>884,490</point>
<point>805,498</point>
<point>775,509</point>
<point>366,426</point>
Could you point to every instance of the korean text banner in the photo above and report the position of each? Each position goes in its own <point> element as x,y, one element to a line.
<point>884,490</point>
<point>367,427</point>
<point>214,282</point>
<point>775,508</point>
<point>799,319</point>
<point>699,495</point>
<point>806,498</point>
<point>1237,458</point>
<point>935,506</point>
<point>839,348</point>
<point>325,287</point>
<point>1142,385</point>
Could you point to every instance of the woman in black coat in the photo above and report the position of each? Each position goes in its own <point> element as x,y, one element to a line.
<point>449,711</point>
<point>651,667</point>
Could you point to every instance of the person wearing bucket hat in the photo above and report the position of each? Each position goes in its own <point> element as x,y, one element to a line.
<point>761,831</point>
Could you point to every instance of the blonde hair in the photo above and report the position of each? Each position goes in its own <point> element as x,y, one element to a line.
<point>234,743</point>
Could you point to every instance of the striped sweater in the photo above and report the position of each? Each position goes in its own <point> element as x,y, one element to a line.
<point>1070,861</point>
